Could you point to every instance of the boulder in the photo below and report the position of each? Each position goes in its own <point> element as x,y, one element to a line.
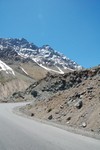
<point>84,124</point>
<point>34,93</point>
<point>79,104</point>
<point>50,109</point>
<point>32,114</point>
<point>50,117</point>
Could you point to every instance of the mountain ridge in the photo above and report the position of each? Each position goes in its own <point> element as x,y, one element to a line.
<point>45,56</point>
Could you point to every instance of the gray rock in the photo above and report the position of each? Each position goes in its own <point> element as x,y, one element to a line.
<point>50,117</point>
<point>90,88</point>
<point>50,109</point>
<point>69,118</point>
<point>57,112</point>
<point>70,103</point>
<point>78,104</point>
<point>32,114</point>
<point>34,93</point>
<point>84,124</point>
<point>61,106</point>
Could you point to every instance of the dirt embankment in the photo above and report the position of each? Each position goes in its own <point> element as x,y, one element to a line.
<point>9,87</point>
<point>75,105</point>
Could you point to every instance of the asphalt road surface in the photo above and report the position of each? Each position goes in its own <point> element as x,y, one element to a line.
<point>19,133</point>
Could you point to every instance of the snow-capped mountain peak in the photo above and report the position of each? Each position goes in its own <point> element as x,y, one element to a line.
<point>45,56</point>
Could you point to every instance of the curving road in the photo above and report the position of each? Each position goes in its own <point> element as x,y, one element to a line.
<point>19,133</point>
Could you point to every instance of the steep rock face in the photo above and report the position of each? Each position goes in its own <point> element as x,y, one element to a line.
<point>53,84</point>
<point>8,53</point>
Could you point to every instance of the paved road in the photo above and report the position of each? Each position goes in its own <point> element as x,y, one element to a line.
<point>19,133</point>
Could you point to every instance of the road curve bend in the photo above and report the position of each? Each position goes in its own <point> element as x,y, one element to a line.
<point>19,133</point>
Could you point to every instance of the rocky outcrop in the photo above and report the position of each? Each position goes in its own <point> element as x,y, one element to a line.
<point>8,53</point>
<point>53,84</point>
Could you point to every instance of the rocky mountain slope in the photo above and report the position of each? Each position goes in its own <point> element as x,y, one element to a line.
<point>23,63</point>
<point>12,81</point>
<point>72,99</point>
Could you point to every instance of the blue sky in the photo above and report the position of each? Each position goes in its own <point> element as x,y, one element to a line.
<point>71,27</point>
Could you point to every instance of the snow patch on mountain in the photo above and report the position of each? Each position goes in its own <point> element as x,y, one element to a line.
<point>1,47</point>
<point>48,69</point>
<point>6,68</point>
<point>24,70</point>
<point>49,57</point>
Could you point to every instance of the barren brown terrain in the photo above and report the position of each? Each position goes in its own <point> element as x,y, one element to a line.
<point>77,106</point>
